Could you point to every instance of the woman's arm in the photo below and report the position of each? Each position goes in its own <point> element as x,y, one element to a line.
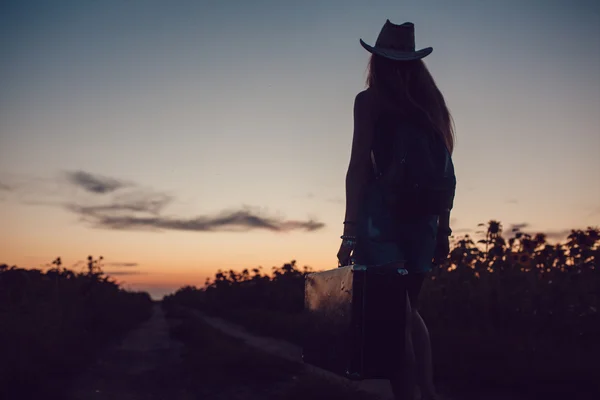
<point>359,168</point>
<point>444,223</point>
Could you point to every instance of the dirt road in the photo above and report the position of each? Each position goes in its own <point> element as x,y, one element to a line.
<point>143,366</point>
<point>146,365</point>
<point>380,388</point>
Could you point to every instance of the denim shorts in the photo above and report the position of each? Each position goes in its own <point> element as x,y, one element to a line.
<point>382,240</point>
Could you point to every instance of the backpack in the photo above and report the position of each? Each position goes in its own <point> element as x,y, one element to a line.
<point>413,169</point>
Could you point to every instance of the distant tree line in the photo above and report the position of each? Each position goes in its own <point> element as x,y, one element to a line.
<point>52,323</point>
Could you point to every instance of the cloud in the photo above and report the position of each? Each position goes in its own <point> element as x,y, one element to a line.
<point>140,201</point>
<point>124,273</point>
<point>127,206</point>
<point>512,201</point>
<point>525,227</point>
<point>122,264</point>
<point>4,189</point>
<point>518,227</point>
<point>557,235</point>
<point>462,230</point>
<point>237,221</point>
<point>95,183</point>
<point>142,210</point>
<point>28,188</point>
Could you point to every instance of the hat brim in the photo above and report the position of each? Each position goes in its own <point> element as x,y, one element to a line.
<point>397,55</point>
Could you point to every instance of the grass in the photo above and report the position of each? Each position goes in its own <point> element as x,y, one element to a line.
<point>461,352</point>
<point>219,366</point>
<point>271,323</point>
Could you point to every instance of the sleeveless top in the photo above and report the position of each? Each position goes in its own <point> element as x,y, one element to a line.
<point>381,240</point>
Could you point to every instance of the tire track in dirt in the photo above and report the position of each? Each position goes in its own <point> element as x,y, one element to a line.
<point>281,348</point>
<point>143,366</point>
<point>146,365</point>
<point>377,387</point>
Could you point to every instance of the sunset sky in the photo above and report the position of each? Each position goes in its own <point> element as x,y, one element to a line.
<point>175,138</point>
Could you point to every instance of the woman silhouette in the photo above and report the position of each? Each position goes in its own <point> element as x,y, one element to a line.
<point>401,92</point>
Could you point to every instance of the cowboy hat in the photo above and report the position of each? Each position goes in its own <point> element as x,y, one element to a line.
<point>397,42</point>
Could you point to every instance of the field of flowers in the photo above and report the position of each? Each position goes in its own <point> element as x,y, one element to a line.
<point>516,314</point>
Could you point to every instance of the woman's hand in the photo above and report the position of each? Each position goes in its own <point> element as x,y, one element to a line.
<point>442,249</point>
<point>348,243</point>
<point>344,253</point>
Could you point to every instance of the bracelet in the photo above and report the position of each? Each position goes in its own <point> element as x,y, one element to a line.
<point>348,237</point>
<point>348,243</point>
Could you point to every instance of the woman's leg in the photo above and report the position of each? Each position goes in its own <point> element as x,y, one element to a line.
<point>423,359</point>
<point>403,380</point>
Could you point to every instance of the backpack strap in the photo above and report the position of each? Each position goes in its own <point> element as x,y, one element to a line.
<point>376,171</point>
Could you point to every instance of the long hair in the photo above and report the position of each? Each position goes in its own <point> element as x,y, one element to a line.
<point>410,88</point>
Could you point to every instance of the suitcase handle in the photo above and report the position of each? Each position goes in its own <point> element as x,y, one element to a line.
<point>399,267</point>
<point>352,262</point>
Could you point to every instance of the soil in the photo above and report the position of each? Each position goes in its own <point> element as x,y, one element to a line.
<point>146,365</point>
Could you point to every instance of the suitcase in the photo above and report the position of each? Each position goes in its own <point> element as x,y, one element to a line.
<point>356,320</point>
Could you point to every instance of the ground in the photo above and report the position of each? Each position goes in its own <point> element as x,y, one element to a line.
<point>147,364</point>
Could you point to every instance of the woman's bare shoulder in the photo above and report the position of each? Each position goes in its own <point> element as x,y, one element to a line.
<point>366,95</point>
<point>364,101</point>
